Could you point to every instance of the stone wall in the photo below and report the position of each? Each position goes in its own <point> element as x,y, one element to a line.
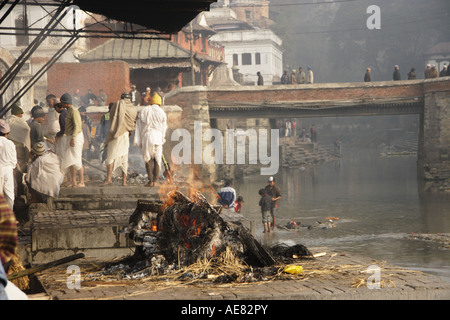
<point>434,147</point>
<point>112,77</point>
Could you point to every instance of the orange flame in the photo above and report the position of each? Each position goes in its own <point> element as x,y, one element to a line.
<point>191,186</point>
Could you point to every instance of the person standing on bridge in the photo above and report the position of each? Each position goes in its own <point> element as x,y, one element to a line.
<point>293,77</point>
<point>151,127</point>
<point>396,75</point>
<point>260,79</point>
<point>367,75</point>
<point>301,77</point>
<point>310,76</point>
<point>427,72</point>
<point>443,72</point>
<point>285,78</point>
<point>412,74</point>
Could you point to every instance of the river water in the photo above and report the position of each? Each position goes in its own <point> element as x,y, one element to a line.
<point>377,201</point>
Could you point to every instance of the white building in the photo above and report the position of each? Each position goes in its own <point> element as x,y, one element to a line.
<point>248,47</point>
<point>253,51</point>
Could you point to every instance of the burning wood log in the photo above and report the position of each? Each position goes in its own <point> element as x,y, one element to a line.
<point>184,230</point>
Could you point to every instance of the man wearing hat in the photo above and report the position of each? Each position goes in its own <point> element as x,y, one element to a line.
<point>151,127</point>
<point>20,136</point>
<point>36,132</point>
<point>44,176</point>
<point>275,193</point>
<point>135,96</point>
<point>293,77</point>
<point>8,161</point>
<point>123,116</point>
<point>72,143</point>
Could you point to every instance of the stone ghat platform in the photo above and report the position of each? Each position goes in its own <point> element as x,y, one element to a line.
<point>90,220</point>
<point>333,276</point>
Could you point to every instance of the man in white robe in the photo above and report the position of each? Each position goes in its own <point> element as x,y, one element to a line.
<point>8,161</point>
<point>151,127</point>
<point>44,175</point>
<point>123,116</point>
<point>72,144</point>
<point>52,121</point>
<point>20,136</point>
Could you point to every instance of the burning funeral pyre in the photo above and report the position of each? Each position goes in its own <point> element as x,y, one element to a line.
<point>185,238</point>
<point>183,230</point>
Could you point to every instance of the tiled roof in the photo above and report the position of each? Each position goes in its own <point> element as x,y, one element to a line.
<point>135,49</point>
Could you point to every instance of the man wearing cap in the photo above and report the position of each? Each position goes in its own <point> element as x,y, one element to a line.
<point>72,144</point>
<point>293,77</point>
<point>135,96</point>
<point>43,175</point>
<point>151,127</point>
<point>20,136</point>
<point>123,116</point>
<point>275,193</point>
<point>36,132</point>
<point>8,161</point>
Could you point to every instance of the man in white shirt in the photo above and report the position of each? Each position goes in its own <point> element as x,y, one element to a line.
<point>8,162</point>
<point>151,127</point>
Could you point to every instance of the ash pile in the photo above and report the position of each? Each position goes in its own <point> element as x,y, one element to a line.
<point>182,235</point>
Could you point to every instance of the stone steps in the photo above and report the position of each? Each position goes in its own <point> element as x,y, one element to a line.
<point>103,198</point>
<point>297,154</point>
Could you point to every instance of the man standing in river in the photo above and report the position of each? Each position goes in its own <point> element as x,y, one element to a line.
<point>275,193</point>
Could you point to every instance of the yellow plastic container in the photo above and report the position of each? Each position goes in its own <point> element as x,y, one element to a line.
<point>293,269</point>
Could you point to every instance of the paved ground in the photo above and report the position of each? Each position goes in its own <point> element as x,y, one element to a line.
<point>334,276</point>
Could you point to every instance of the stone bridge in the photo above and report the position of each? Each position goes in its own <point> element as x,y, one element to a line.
<point>428,98</point>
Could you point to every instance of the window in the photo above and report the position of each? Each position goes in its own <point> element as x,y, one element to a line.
<point>246,59</point>
<point>257,58</point>
<point>248,14</point>
<point>235,59</point>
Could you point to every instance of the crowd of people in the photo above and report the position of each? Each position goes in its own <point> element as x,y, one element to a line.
<point>36,156</point>
<point>288,128</point>
<point>430,72</point>
<point>302,77</point>
<point>39,154</point>
<point>298,78</point>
